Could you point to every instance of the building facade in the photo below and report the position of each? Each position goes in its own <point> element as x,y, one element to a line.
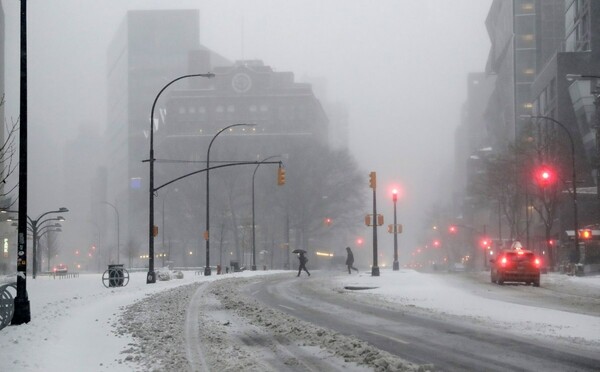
<point>535,46</point>
<point>281,114</point>
<point>150,48</point>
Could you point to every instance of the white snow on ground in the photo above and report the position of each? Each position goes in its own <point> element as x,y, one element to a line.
<point>79,325</point>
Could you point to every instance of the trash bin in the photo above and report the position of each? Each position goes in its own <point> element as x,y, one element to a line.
<point>116,275</point>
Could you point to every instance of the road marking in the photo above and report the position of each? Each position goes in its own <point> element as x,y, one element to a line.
<point>389,337</point>
<point>287,307</point>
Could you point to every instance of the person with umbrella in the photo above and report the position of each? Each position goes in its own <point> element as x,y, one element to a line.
<point>303,260</point>
<point>350,261</point>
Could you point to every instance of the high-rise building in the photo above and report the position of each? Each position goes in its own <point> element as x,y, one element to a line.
<point>151,48</point>
<point>511,26</point>
<point>536,45</point>
<point>286,114</point>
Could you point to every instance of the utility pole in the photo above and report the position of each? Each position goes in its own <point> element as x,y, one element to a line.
<point>22,312</point>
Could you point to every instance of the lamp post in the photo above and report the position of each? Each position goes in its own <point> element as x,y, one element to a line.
<point>396,266</point>
<point>253,223</point>
<point>22,313</point>
<point>206,232</point>
<point>34,226</point>
<point>574,179</point>
<point>151,277</point>
<point>118,229</point>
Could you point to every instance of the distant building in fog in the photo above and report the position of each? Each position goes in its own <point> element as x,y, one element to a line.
<point>248,92</point>
<point>151,48</point>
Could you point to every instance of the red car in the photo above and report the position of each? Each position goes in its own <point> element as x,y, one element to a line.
<point>516,265</point>
<point>61,269</point>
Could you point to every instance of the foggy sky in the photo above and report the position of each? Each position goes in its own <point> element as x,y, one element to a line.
<point>399,67</point>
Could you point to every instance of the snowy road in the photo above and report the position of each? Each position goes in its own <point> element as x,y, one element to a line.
<point>450,343</point>
<point>216,323</point>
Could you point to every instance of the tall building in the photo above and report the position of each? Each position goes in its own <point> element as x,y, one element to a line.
<point>536,44</point>
<point>285,114</point>
<point>511,26</point>
<point>150,48</point>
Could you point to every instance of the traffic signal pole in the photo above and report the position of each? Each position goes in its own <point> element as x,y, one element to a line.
<point>375,268</point>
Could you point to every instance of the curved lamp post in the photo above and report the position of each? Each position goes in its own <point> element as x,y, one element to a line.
<point>118,229</point>
<point>151,277</point>
<point>34,226</point>
<point>574,178</point>
<point>253,223</point>
<point>206,232</point>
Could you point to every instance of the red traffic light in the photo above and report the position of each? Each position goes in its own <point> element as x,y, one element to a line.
<point>485,242</point>
<point>436,243</point>
<point>359,241</point>
<point>452,229</point>
<point>545,176</point>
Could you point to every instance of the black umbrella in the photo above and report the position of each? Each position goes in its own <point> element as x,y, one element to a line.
<point>298,251</point>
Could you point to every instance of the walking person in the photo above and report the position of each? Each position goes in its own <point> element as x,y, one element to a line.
<point>350,261</point>
<point>303,260</point>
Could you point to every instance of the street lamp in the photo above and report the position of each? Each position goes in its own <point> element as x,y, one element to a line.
<point>206,232</point>
<point>396,265</point>
<point>118,232</point>
<point>253,223</point>
<point>151,277</point>
<point>574,178</point>
<point>35,226</point>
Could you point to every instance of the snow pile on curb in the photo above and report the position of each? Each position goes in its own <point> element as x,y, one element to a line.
<point>231,326</point>
<point>156,325</point>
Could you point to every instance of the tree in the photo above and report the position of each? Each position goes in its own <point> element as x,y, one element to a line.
<point>8,164</point>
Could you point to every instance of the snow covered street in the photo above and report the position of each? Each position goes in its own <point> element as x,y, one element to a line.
<point>78,324</point>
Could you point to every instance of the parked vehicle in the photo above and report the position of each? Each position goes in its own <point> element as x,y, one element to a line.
<point>516,265</point>
<point>60,269</point>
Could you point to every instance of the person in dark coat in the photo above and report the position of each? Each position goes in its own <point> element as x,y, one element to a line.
<point>350,261</point>
<point>303,260</point>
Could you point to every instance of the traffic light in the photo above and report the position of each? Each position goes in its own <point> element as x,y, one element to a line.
<point>372,180</point>
<point>327,221</point>
<point>394,195</point>
<point>281,176</point>
<point>436,243</point>
<point>545,176</point>
<point>452,229</point>
<point>485,243</point>
<point>585,234</point>
<point>359,241</point>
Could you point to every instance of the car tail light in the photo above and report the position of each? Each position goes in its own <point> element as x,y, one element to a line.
<point>503,261</point>
<point>537,262</point>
